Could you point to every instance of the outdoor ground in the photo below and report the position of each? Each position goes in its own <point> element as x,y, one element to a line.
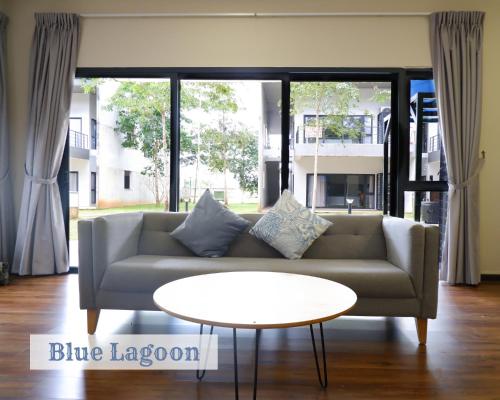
<point>243,208</point>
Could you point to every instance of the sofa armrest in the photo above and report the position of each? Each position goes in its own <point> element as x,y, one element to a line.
<point>431,272</point>
<point>85,268</point>
<point>103,241</point>
<point>405,242</point>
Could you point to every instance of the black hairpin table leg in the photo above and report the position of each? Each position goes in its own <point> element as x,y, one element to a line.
<point>322,381</point>
<point>201,373</point>
<point>235,353</point>
<point>256,365</point>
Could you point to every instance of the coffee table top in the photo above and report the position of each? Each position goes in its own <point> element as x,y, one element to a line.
<point>254,299</point>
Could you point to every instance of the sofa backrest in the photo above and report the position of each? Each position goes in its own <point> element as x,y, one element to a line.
<point>349,237</point>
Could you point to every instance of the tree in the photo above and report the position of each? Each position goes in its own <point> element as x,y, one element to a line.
<point>331,103</point>
<point>225,146</point>
<point>232,149</point>
<point>143,120</point>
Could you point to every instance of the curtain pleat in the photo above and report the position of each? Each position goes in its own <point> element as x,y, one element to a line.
<point>456,46</point>
<point>7,223</point>
<point>41,247</point>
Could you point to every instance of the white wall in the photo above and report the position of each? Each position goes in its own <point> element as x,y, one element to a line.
<point>83,169</point>
<point>319,42</point>
<point>113,159</point>
<point>81,105</point>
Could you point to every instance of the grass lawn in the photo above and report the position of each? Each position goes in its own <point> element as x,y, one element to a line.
<point>243,208</point>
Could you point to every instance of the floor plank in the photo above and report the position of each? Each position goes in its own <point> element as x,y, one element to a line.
<point>368,358</point>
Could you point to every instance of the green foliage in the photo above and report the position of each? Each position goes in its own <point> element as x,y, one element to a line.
<point>232,148</point>
<point>143,119</point>
<point>331,102</point>
<point>381,96</point>
<point>225,145</point>
<point>89,85</point>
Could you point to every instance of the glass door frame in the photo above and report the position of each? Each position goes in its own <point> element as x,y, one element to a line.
<point>418,185</point>
<point>285,75</point>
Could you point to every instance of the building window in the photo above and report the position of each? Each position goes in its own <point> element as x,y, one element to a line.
<point>333,190</point>
<point>356,129</point>
<point>76,137</point>
<point>75,124</point>
<point>93,187</point>
<point>126,180</point>
<point>73,181</point>
<point>93,134</point>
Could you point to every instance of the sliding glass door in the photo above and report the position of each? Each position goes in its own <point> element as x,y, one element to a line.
<point>156,138</point>
<point>337,136</point>
<point>230,143</point>
<point>119,149</point>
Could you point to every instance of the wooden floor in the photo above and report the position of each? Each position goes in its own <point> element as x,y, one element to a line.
<point>368,358</point>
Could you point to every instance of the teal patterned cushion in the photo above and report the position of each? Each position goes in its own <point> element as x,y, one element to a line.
<point>290,227</point>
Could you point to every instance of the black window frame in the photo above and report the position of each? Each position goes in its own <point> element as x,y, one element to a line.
<point>397,77</point>
<point>306,117</point>
<point>80,121</point>
<point>93,134</point>
<point>406,184</point>
<point>127,178</point>
<point>93,188</point>
<point>77,181</point>
<point>308,184</point>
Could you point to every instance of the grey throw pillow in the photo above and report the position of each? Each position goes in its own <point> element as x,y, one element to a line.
<point>209,228</point>
<point>290,227</point>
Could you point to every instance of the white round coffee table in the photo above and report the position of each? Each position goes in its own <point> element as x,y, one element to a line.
<point>256,300</point>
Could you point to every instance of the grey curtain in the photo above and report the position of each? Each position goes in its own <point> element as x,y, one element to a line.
<point>456,46</point>
<point>7,234</point>
<point>41,241</point>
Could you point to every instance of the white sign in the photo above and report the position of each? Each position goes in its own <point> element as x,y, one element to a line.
<point>183,352</point>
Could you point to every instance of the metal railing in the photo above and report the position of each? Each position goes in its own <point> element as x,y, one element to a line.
<point>434,144</point>
<point>360,129</point>
<point>78,140</point>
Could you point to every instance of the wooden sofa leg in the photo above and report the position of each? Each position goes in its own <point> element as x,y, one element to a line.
<point>421,330</point>
<point>92,318</point>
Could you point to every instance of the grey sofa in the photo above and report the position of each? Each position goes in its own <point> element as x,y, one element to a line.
<point>391,263</point>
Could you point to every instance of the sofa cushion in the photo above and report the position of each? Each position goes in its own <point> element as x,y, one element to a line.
<point>349,237</point>
<point>210,228</point>
<point>290,227</point>
<point>368,278</point>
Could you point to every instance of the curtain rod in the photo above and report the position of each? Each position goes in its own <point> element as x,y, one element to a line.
<point>256,14</point>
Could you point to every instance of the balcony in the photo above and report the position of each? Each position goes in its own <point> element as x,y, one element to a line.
<point>331,145</point>
<point>79,145</point>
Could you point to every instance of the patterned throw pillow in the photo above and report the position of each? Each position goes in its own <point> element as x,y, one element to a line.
<point>290,227</point>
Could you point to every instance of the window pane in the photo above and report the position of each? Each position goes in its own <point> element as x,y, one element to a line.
<point>427,160</point>
<point>230,143</point>
<point>340,127</point>
<point>428,207</point>
<point>73,181</point>
<point>126,168</point>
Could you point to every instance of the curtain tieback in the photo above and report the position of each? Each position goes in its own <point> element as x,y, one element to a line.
<point>466,183</point>
<point>41,181</point>
<point>4,177</point>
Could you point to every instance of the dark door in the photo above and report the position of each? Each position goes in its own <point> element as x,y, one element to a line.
<point>93,187</point>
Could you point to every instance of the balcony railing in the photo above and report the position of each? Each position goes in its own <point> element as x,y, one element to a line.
<point>360,129</point>
<point>78,140</point>
<point>434,144</point>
